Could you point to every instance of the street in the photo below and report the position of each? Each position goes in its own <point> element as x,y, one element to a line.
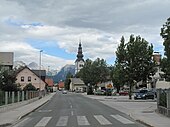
<point>74,110</point>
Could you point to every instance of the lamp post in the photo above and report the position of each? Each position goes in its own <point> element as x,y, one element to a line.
<point>40,71</point>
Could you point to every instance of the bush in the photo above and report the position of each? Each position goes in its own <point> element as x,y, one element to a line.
<point>29,87</point>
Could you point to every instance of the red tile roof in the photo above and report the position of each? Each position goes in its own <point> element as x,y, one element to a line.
<point>49,81</point>
<point>61,85</point>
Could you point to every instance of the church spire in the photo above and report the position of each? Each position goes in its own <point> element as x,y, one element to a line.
<point>80,53</point>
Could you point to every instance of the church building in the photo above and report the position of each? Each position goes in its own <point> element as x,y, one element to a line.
<point>79,63</point>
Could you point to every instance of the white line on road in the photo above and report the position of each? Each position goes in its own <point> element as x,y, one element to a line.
<point>122,119</point>
<point>102,120</point>
<point>23,122</point>
<point>72,113</point>
<point>71,106</point>
<point>62,121</point>
<point>82,120</point>
<point>43,122</point>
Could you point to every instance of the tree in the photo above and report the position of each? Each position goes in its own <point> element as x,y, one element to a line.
<point>67,81</point>
<point>118,76</point>
<point>165,64</point>
<point>29,87</point>
<point>7,80</point>
<point>135,59</point>
<point>94,72</point>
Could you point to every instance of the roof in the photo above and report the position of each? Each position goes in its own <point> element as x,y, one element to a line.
<point>29,70</point>
<point>77,81</point>
<point>61,84</point>
<point>49,81</point>
<point>38,72</point>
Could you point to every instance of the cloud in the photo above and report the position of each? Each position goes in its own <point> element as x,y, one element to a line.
<point>100,25</point>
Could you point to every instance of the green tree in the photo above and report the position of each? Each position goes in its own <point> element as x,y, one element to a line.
<point>29,87</point>
<point>118,76</point>
<point>94,72</point>
<point>165,63</point>
<point>7,80</point>
<point>67,81</point>
<point>135,58</point>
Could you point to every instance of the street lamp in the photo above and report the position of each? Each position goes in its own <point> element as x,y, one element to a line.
<point>40,71</point>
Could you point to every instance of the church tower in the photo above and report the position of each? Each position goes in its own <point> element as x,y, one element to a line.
<point>79,63</point>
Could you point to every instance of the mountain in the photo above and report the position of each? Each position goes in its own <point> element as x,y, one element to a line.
<point>61,75</point>
<point>33,66</point>
<point>18,64</point>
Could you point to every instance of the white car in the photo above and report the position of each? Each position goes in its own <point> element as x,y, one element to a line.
<point>64,91</point>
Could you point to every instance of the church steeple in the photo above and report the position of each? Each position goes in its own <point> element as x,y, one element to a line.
<point>80,53</point>
<point>79,63</point>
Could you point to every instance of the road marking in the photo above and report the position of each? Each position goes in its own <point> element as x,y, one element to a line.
<point>122,119</point>
<point>62,121</point>
<point>23,122</point>
<point>44,110</point>
<point>71,106</point>
<point>82,120</point>
<point>102,120</point>
<point>72,113</point>
<point>43,122</point>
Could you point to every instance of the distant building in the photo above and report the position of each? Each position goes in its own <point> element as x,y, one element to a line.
<point>26,76</point>
<point>50,82</point>
<point>157,57</point>
<point>77,84</point>
<point>7,60</point>
<point>79,63</point>
<point>61,85</point>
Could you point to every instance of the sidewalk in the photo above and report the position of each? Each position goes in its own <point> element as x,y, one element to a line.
<point>12,116</point>
<point>142,111</point>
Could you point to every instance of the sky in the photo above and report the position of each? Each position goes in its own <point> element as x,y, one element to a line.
<point>57,27</point>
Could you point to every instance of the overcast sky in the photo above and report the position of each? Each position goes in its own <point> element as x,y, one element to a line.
<point>56,26</point>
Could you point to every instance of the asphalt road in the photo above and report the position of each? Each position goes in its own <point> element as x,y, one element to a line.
<point>75,110</point>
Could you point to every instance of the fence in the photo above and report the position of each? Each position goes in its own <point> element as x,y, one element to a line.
<point>163,101</point>
<point>18,96</point>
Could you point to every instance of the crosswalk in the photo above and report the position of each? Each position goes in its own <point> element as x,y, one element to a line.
<point>63,121</point>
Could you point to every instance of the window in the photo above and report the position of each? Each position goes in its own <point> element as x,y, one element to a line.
<point>22,79</point>
<point>81,65</point>
<point>29,78</point>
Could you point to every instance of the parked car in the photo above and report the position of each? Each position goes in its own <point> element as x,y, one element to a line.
<point>123,93</point>
<point>64,91</point>
<point>100,92</point>
<point>144,94</point>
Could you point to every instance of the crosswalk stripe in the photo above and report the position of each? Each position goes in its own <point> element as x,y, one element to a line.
<point>23,122</point>
<point>43,122</point>
<point>122,119</point>
<point>62,121</point>
<point>102,120</point>
<point>82,120</point>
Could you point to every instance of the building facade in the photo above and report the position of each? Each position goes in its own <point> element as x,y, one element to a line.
<point>26,76</point>
<point>6,60</point>
<point>79,63</point>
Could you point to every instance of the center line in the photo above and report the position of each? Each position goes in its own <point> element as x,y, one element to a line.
<point>72,113</point>
<point>71,106</point>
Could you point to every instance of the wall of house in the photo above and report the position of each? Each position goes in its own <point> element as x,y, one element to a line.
<point>35,80</point>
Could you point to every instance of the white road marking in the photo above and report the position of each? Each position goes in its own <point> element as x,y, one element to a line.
<point>82,120</point>
<point>62,121</point>
<point>71,106</point>
<point>23,122</point>
<point>122,119</point>
<point>72,113</point>
<point>102,120</point>
<point>43,122</point>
